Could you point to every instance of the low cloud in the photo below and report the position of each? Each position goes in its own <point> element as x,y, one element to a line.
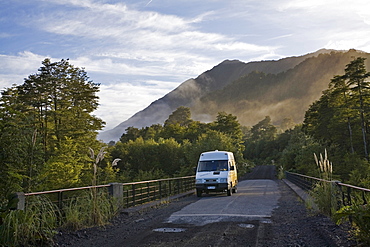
<point>122,100</point>
<point>14,68</point>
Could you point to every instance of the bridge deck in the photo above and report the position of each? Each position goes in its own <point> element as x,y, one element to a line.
<point>264,212</point>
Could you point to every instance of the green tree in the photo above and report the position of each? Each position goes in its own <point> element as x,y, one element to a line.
<point>341,105</point>
<point>264,130</point>
<point>61,98</point>
<point>297,155</point>
<point>340,116</point>
<point>131,134</point>
<point>63,170</point>
<point>260,145</point>
<point>356,77</point>
<point>229,125</point>
<point>175,131</point>
<point>164,156</point>
<point>214,140</point>
<point>38,116</point>
<point>181,116</point>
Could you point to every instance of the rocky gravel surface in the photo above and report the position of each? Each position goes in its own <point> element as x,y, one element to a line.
<point>291,225</point>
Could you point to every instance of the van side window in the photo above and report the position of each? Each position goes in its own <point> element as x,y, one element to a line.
<point>232,167</point>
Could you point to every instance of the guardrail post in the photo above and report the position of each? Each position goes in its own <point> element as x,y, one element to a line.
<point>160,189</point>
<point>335,188</point>
<point>148,191</point>
<point>21,200</point>
<point>169,187</point>
<point>133,195</point>
<point>127,198</point>
<point>60,199</point>
<point>349,196</point>
<point>116,191</point>
<point>178,186</point>
<point>343,195</point>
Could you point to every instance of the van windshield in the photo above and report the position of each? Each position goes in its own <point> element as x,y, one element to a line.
<point>212,165</point>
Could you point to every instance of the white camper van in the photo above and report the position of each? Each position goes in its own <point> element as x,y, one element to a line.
<point>216,172</point>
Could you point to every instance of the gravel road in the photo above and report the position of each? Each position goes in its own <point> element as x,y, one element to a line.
<point>290,225</point>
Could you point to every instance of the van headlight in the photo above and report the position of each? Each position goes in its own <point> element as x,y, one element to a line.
<point>198,181</point>
<point>223,180</point>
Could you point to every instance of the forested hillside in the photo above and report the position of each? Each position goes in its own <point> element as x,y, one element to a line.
<point>279,89</point>
<point>287,94</point>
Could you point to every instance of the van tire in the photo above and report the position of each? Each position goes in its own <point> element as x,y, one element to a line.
<point>199,193</point>
<point>234,190</point>
<point>229,192</point>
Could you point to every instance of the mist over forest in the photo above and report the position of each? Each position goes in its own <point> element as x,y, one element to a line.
<point>282,89</point>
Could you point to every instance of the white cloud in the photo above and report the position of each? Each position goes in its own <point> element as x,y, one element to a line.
<point>122,100</point>
<point>127,46</point>
<point>14,68</point>
<point>124,26</point>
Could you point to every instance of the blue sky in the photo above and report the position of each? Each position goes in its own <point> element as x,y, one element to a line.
<point>141,50</point>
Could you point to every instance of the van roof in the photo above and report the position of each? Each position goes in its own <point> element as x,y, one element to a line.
<point>216,155</point>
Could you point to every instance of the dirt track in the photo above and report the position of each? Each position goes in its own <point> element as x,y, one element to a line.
<point>290,225</point>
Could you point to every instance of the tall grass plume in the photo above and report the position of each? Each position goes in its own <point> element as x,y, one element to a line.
<point>324,191</point>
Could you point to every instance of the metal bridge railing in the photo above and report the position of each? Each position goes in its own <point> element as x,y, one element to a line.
<point>127,194</point>
<point>348,193</point>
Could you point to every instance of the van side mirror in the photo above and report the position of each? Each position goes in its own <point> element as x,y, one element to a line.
<point>232,168</point>
<point>195,169</point>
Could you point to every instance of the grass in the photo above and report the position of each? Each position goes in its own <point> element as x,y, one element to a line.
<point>32,227</point>
<point>325,193</point>
<point>91,209</point>
<point>37,224</point>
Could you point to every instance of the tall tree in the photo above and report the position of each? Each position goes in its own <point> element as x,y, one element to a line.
<point>228,124</point>
<point>52,109</point>
<point>340,94</point>
<point>259,144</point>
<point>61,97</point>
<point>356,77</point>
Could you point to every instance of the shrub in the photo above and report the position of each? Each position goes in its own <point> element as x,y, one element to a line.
<point>360,217</point>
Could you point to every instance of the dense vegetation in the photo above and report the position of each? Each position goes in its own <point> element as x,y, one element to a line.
<point>47,130</point>
<point>48,136</point>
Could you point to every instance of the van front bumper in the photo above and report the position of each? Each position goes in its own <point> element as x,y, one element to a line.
<point>212,187</point>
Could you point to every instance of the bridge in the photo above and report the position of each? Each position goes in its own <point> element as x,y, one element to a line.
<point>264,212</point>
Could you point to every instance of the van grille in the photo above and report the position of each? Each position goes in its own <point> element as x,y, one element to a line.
<point>211,180</point>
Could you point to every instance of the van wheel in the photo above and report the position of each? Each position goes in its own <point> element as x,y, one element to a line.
<point>199,193</point>
<point>229,192</point>
<point>234,190</point>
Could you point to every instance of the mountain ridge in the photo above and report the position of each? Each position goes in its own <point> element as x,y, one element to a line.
<point>231,75</point>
